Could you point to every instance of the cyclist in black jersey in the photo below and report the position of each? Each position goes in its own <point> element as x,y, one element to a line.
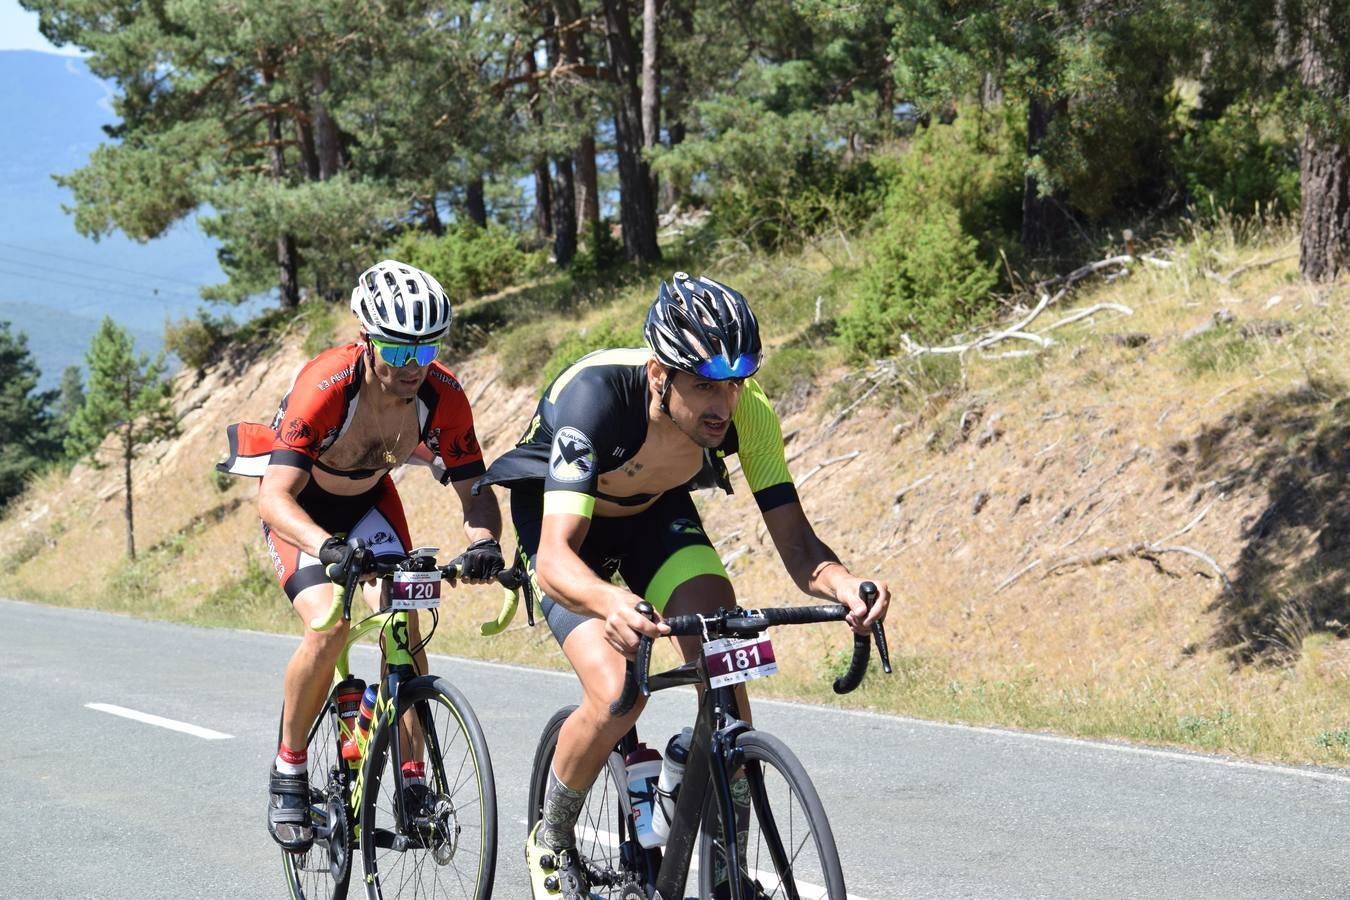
<point>600,484</point>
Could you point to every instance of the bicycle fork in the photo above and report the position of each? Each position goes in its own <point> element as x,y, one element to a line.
<point>713,757</point>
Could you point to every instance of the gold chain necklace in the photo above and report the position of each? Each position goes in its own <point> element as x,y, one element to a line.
<point>389,458</point>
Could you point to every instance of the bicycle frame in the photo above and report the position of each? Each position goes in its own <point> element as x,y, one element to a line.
<point>397,657</point>
<point>713,758</point>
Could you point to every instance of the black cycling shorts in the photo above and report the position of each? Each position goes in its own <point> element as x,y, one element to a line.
<point>655,551</point>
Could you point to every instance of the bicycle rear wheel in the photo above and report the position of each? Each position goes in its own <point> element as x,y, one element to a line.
<point>606,844</point>
<point>790,850</point>
<point>449,847</point>
<point>322,872</point>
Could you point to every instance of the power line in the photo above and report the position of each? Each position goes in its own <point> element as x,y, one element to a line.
<point>44,276</point>
<point>141,297</point>
<point>88,262</point>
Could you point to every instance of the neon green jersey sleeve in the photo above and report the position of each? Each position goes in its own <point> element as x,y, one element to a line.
<point>760,437</point>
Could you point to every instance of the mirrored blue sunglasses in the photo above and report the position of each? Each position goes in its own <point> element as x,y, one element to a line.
<point>718,369</point>
<point>399,355</point>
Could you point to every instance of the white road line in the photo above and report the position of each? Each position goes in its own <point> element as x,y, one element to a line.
<point>171,724</point>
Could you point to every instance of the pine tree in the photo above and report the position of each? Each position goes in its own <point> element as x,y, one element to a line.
<point>128,399</point>
<point>26,434</point>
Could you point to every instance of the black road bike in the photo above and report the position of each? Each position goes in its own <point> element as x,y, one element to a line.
<point>788,850</point>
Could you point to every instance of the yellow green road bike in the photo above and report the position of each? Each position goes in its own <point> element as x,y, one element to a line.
<point>439,840</point>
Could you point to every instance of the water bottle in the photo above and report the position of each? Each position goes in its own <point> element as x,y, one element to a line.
<point>367,712</point>
<point>668,785</point>
<point>347,696</point>
<point>644,770</point>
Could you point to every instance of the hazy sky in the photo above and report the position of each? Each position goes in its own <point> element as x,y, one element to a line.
<point>19,31</point>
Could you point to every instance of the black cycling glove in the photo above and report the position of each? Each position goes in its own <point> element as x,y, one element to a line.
<point>336,555</point>
<point>482,559</point>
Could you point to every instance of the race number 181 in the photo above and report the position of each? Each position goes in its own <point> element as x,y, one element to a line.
<point>732,660</point>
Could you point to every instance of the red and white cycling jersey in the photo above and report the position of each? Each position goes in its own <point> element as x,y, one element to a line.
<point>321,404</point>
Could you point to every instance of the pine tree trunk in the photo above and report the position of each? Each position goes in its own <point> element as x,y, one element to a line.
<point>127,512</point>
<point>651,81</point>
<point>543,201</point>
<point>431,220</point>
<point>584,179</point>
<point>1041,218</point>
<point>1324,160</point>
<point>327,142</point>
<point>587,181</point>
<point>637,207</point>
<point>677,97</point>
<point>287,264</point>
<point>564,212</point>
<point>474,205</point>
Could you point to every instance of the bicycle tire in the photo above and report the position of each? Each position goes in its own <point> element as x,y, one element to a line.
<point>456,854</point>
<point>785,804</point>
<point>324,871</point>
<point>604,824</point>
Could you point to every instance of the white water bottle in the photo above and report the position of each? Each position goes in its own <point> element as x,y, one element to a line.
<point>644,769</point>
<point>667,786</point>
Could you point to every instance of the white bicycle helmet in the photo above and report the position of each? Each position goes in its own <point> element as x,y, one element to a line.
<point>397,302</point>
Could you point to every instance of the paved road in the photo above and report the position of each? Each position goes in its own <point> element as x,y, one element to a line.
<point>93,805</point>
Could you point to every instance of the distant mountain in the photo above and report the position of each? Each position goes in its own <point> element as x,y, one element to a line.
<point>55,285</point>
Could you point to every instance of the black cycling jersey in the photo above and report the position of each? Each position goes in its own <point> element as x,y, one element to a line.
<point>593,418</point>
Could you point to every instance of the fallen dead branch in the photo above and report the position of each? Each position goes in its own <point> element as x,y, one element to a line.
<point>1246,267</point>
<point>829,462</point>
<point>1092,310</point>
<point>900,494</point>
<point>1149,550</point>
<point>1084,271</point>
<point>1016,575</point>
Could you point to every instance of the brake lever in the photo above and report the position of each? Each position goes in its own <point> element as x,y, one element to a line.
<point>868,593</point>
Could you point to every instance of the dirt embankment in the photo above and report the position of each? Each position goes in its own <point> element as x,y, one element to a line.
<point>1133,506</point>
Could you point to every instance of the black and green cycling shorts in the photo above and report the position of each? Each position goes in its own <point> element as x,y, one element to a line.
<point>654,552</point>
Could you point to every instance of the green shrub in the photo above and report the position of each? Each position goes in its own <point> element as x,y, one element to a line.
<point>196,341</point>
<point>950,208</point>
<point>470,260</point>
<point>323,323</point>
<point>600,252</point>
<point>577,344</point>
<point>520,351</point>
<point>926,278</point>
<point>773,171</point>
<point>1228,165</point>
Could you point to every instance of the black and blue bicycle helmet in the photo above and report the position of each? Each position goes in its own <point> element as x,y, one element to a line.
<point>703,327</point>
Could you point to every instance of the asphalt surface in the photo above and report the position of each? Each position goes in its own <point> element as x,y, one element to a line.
<point>97,805</point>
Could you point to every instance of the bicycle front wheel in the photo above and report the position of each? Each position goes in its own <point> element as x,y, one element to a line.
<point>440,841</point>
<point>786,848</point>
<point>606,844</point>
<point>322,871</point>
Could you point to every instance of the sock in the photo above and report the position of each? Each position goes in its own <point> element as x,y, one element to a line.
<point>414,773</point>
<point>562,805</point>
<point>291,762</point>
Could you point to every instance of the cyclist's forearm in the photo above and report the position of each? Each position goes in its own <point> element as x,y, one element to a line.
<point>289,522</point>
<point>566,579</point>
<point>482,515</point>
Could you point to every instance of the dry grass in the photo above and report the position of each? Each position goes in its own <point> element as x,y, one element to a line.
<point>1095,444</point>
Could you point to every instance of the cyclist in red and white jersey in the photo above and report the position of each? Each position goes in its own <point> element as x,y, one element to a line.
<point>351,416</point>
